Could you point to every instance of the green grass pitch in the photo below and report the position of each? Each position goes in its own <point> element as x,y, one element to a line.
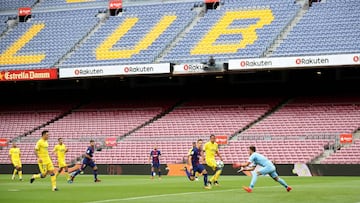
<point>139,188</point>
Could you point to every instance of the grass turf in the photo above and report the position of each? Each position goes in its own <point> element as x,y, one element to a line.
<point>137,188</point>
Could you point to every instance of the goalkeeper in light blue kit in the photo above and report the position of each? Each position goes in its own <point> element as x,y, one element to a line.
<point>267,168</point>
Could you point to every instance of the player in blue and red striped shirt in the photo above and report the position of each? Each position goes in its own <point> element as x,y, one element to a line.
<point>195,161</point>
<point>87,161</point>
<point>154,160</point>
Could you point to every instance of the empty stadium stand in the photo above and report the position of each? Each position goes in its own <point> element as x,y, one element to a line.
<point>310,116</point>
<point>42,41</point>
<point>345,155</point>
<point>328,27</point>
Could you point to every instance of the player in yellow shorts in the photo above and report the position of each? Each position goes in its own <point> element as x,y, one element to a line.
<point>211,150</point>
<point>44,161</point>
<point>60,149</point>
<point>15,157</point>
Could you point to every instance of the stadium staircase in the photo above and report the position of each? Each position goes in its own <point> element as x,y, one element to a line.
<point>237,135</point>
<point>200,13</point>
<point>304,8</point>
<point>103,16</point>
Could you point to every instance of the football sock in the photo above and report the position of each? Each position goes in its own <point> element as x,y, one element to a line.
<point>187,173</point>
<point>14,173</point>
<point>76,172</point>
<point>205,179</point>
<point>254,178</point>
<point>67,175</point>
<point>282,182</point>
<point>217,175</point>
<point>20,174</point>
<point>53,180</point>
<point>159,173</point>
<point>95,174</point>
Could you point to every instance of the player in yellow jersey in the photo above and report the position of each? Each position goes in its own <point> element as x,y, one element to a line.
<point>15,157</point>
<point>44,161</point>
<point>60,150</point>
<point>211,150</point>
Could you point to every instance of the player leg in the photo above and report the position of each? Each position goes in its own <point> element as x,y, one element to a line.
<point>217,175</point>
<point>14,172</point>
<point>152,171</point>
<point>201,169</point>
<point>66,171</point>
<point>189,174</point>
<point>276,177</point>
<point>77,172</point>
<point>59,171</point>
<point>255,175</point>
<point>42,174</point>
<point>51,172</point>
<point>159,170</point>
<point>95,173</point>
<point>212,165</point>
<point>19,169</point>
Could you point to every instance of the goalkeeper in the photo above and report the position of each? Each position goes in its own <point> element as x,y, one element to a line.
<point>268,168</point>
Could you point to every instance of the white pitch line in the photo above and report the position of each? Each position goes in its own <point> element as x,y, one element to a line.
<point>167,195</point>
<point>155,196</point>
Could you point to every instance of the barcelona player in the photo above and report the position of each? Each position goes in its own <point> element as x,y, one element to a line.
<point>211,150</point>
<point>154,160</point>
<point>44,161</point>
<point>268,167</point>
<point>194,161</point>
<point>15,157</point>
<point>189,153</point>
<point>60,149</point>
<point>87,161</point>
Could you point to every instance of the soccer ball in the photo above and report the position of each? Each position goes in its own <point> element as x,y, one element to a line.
<point>219,164</point>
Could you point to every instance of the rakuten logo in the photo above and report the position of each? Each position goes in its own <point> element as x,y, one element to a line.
<point>88,71</point>
<point>193,67</point>
<point>255,63</point>
<point>310,61</point>
<point>138,69</point>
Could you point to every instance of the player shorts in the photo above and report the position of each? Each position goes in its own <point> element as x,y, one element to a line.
<point>62,164</point>
<point>155,165</point>
<point>17,163</point>
<point>211,163</point>
<point>270,169</point>
<point>199,168</point>
<point>46,166</point>
<point>88,163</point>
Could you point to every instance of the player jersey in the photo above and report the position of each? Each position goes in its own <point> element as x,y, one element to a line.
<point>155,154</point>
<point>210,150</point>
<point>90,151</point>
<point>190,150</point>
<point>42,150</point>
<point>14,153</point>
<point>259,159</point>
<point>195,156</point>
<point>60,151</point>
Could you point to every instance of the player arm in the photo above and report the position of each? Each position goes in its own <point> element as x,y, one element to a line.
<point>189,161</point>
<point>36,151</point>
<point>53,151</point>
<point>88,156</point>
